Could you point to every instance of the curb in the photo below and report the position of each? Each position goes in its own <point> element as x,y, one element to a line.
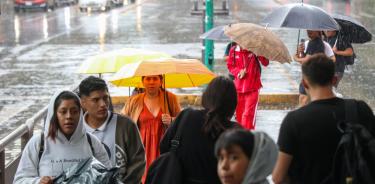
<point>277,101</point>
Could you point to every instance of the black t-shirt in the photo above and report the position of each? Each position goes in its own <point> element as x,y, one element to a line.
<point>311,136</point>
<point>315,46</point>
<point>341,44</point>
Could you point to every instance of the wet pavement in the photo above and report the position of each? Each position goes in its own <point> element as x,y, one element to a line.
<point>41,52</point>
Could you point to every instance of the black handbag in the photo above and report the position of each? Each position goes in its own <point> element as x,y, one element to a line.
<point>167,169</point>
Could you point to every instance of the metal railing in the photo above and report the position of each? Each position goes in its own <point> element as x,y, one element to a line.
<point>25,132</point>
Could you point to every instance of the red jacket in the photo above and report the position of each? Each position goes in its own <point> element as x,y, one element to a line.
<point>240,59</point>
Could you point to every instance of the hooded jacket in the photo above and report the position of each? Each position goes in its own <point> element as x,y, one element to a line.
<point>57,156</point>
<point>263,159</point>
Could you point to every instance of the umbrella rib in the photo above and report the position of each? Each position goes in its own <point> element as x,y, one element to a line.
<point>191,80</point>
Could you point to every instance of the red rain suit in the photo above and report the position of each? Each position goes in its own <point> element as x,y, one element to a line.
<point>247,87</point>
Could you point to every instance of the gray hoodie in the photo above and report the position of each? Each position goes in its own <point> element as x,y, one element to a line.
<point>59,155</point>
<point>262,160</point>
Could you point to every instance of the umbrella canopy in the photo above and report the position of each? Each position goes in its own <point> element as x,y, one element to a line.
<point>259,40</point>
<point>177,73</point>
<point>352,30</point>
<point>301,16</point>
<point>111,62</point>
<point>216,33</point>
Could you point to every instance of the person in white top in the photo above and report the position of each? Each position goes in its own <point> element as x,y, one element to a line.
<point>305,51</point>
<point>65,143</point>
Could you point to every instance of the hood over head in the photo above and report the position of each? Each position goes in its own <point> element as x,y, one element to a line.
<point>78,132</point>
<point>263,159</point>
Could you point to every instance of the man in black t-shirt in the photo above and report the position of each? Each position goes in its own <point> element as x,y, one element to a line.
<point>308,48</point>
<point>309,136</point>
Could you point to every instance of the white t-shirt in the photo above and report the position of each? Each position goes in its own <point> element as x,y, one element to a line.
<point>327,48</point>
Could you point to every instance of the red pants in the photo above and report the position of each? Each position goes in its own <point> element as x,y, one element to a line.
<point>246,107</point>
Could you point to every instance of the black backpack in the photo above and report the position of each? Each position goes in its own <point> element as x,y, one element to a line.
<point>354,160</point>
<point>167,169</point>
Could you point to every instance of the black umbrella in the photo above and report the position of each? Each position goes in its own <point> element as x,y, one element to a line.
<point>216,33</point>
<point>352,30</point>
<point>301,16</point>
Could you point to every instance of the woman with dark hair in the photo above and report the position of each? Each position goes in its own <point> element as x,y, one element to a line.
<point>245,157</point>
<point>153,111</point>
<point>65,143</point>
<point>201,130</point>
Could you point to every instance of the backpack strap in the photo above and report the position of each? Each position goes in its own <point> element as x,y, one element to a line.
<point>90,142</point>
<point>107,150</point>
<point>41,149</point>
<point>175,142</point>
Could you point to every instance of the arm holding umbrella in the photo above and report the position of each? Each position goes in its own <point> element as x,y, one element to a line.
<point>304,59</point>
<point>301,49</point>
<point>341,45</point>
<point>301,60</point>
<point>172,107</point>
<point>314,46</point>
<point>346,52</point>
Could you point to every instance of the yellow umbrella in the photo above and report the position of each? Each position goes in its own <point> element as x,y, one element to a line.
<point>177,73</point>
<point>111,62</point>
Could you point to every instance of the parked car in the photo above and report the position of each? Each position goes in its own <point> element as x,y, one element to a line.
<point>101,5</point>
<point>66,2</point>
<point>118,3</point>
<point>33,4</point>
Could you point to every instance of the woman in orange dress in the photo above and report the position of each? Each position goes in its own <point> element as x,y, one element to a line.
<point>153,111</point>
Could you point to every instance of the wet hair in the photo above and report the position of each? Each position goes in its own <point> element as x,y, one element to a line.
<point>220,101</point>
<point>319,70</point>
<point>91,84</point>
<point>54,124</point>
<point>239,137</point>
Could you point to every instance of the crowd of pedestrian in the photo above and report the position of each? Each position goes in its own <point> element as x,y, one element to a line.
<point>210,147</point>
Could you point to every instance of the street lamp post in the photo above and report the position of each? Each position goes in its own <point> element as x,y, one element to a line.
<point>208,21</point>
<point>209,44</point>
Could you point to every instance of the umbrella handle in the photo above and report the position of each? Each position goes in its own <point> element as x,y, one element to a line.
<point>334,45</point>
<point>299,33</point>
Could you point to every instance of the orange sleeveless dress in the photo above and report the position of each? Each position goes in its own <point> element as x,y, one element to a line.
<point>151,130</point>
